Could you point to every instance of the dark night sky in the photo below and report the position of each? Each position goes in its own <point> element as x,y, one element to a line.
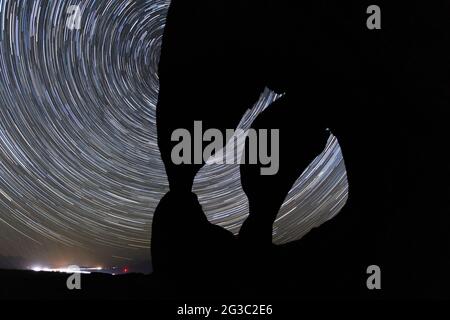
<point>80,172</point>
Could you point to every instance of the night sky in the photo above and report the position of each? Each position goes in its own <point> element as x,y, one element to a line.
<point>80,171</point>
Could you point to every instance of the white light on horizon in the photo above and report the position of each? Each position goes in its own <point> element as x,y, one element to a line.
<point>60,270</point>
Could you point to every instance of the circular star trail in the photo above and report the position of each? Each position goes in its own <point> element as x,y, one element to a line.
<point>80,171</point>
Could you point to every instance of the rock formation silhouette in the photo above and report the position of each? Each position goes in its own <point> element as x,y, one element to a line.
<point>383,93</point>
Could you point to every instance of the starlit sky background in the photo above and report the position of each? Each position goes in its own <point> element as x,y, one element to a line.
<point>80,171</point>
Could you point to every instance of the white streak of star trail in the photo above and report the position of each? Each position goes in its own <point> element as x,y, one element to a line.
<point>79,163</point>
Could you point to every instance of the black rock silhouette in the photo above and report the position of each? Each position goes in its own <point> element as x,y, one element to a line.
<point>381,92</point>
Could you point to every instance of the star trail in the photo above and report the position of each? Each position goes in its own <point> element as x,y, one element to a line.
<point>80,170</point>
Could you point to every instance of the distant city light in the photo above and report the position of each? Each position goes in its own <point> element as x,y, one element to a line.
<point>114,270</point>
<point>61,270</point>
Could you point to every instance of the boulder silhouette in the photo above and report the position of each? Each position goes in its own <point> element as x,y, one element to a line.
<point>383,93</point>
